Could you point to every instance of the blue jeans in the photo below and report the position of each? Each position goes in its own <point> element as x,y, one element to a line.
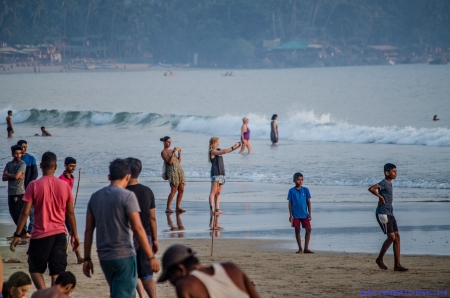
<point>121,275</point>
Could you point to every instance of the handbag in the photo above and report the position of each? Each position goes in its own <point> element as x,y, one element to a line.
<point>164,171</point>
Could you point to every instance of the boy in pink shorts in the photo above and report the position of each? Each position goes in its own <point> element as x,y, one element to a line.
<point>300,211</point>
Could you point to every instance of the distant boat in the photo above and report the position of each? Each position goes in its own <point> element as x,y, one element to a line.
<point>165,65</point>
<point>183,65</point>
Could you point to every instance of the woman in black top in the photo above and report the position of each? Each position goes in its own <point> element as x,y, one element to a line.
<point>217,171</point>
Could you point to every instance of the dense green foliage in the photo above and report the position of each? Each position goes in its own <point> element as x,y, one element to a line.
<point>173,30</point>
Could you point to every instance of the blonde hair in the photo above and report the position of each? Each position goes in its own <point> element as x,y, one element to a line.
<point>243,119</point>
<point>212,143</point>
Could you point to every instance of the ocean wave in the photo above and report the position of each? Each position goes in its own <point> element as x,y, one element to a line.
<point>298,126</point>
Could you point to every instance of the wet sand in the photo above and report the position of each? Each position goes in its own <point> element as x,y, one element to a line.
<point>279,272</point>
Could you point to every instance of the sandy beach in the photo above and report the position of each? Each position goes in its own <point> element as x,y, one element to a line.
<point>279,272</point>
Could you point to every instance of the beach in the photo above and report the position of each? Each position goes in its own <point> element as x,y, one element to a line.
<point>337,126</point>
<point>279,272</point>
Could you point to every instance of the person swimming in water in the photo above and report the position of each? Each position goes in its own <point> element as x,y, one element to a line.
<point>435,118</point>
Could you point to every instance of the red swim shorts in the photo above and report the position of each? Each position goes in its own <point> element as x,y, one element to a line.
<point>306,223</point>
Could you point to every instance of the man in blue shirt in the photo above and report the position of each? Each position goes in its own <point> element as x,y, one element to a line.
<point>300,211</point>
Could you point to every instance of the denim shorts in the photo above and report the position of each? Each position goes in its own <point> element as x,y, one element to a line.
<point>219,179</point>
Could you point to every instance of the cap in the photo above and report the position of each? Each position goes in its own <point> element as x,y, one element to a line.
<point>174,255</point>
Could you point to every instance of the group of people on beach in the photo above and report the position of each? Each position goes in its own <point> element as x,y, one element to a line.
<point>123,216</point>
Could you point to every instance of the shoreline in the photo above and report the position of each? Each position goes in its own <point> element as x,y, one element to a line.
<point>146,67</point>
<point>321,274</point>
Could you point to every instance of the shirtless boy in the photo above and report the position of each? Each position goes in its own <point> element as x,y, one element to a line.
<point>9,124</point>
<point>45,132</point>
<point>64,285</point>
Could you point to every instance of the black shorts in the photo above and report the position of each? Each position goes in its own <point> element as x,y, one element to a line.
<point>49,250</point>
<point>144,269</point>
<point>8,129</point>
<point>387,223</point>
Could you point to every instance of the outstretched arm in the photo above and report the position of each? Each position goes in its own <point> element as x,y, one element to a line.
<point>225,151</point>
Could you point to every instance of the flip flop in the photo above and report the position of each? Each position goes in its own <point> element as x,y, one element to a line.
<point>169,211</point>
<point>180,210</point>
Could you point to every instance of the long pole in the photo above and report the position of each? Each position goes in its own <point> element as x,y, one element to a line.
<point>78,187</point>
<point>213,226</point>
<point>74,205</point>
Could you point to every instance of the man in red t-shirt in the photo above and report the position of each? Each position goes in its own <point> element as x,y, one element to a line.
<point>70,165</point>
<point>52,201</point>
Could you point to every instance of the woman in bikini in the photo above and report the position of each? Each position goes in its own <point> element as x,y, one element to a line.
<point>217,172</point>
<point>245,136</point>
<point>174,172</point>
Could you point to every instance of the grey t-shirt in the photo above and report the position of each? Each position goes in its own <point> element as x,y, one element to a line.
<point>386,191</point>
<point>16,187</point>
<point>110,207</point>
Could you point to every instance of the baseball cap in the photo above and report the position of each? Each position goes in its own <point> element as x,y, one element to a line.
<point>174,255</point>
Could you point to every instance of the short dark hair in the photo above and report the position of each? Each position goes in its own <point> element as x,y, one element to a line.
<point>135,167</point>
<point>274,116</point>
<point>48,160</point>
<point>296,175</point>
<point>20,142</point>
<point>388,167</point>
<point>42,127</point>
<point>9,112</point>
<point>70,160</point>
<point>164,139</point>
<point>15,148</point>
<point>66,278</point>
<point>118,169</point>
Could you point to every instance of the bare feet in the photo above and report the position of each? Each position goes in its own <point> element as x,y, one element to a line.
<point>381,264</point>
<point>400,268</point>
<point>169,211</point>
<point>299,252</point>
<point>307,251</point>
<point>180,210</point>
<point>218,211</point>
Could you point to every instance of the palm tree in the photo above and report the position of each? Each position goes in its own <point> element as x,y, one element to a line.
<point>36,8</point>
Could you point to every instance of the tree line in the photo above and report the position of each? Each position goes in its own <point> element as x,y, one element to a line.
<point>221,30</point>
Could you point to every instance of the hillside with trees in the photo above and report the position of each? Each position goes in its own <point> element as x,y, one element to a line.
<point>224,32</point>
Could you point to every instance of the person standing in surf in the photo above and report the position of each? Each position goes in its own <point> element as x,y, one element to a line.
<point>274,130</point>
<point>9,124</point>
<point>245,136</point>
<point>174,173</point>
<point>217,172</point>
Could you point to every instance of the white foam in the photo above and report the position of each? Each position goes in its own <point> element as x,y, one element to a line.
<point>99,118</point>
<point>306,126</point>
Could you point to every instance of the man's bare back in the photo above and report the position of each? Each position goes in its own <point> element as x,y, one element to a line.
<point>52,292</point>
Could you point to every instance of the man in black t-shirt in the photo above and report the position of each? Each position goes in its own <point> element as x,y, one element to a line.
<point>146,201</point>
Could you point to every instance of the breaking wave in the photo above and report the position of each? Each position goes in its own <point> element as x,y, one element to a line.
<point>299,126</point>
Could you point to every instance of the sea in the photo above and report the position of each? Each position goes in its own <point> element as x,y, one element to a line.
<point>337,126</point>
